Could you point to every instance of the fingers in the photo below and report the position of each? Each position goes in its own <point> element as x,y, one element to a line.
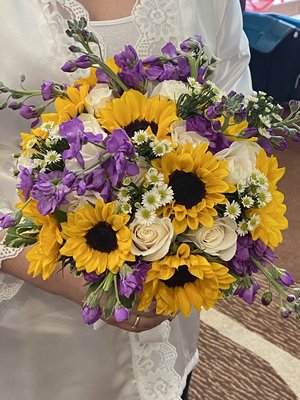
<point>137,322</point>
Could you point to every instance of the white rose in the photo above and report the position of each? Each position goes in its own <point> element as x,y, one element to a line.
<point>97,98</point>
<point>241,157</point>
<point>171,89</point>
<point>152,242</point>
<point>219,240</point>
<point>90,154</point>
<point>74,201</point>
<point>180,135</point>
<point>91,124</point>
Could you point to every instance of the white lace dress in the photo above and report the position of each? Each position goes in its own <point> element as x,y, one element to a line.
<point>46,351</point>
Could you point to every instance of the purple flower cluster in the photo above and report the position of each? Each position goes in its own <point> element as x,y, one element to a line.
<point>7,221</point>
<point>133,73</point>
<point>132,281</point>
<point>91,315</point>
<point>73,132</point>
<point>208,129</point>
<point>25,182</point>
<point>242,263</point>
<point>248,291</point>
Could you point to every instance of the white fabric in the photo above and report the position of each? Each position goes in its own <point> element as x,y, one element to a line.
<point>46,351</point>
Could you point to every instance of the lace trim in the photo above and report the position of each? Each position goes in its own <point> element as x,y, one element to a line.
<point>8,290</point>
<point>156,20</point>
<point>153,359</point>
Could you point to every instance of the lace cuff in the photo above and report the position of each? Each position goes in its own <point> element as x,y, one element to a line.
<point>8,290</point>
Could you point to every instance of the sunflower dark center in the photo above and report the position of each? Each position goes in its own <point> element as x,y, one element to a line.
<point>102,238</point>
<point>188,189</point>
<point>181,277</point>
<point>138,125</point>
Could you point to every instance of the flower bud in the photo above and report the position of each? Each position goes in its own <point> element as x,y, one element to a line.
<point>266,298</point>
<point>91,315</point>
<point>69,66</point>
<point>121,314</point>
<point>285,312</point>
<point>291,298</point>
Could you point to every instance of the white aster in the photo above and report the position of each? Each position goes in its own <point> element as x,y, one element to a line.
<point>52,157</point>
<point>161,148</point>
<point>145,216</point>
<point>241,186</point>
<point>166,194</point>
<point>253,222</point>
<point>233,210</point>
<point>123,194</point>
<point>247,201</point>
<point>263,197</point>
<point>47,126</point>
<point>140,137</point>
<point>151,200</point>
<point>242,228</point>
<point>126,208</point>
<point>31,143</point>
<point>154,177</point>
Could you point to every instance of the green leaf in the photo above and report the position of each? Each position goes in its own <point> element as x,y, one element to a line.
<point>127,302</point>
<point>61,216</point>
<point>23,234</point>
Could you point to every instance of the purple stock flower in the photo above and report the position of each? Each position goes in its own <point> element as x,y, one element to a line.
<point>285,278</point>
<point>73,132</point>
<point>7,221</point>
<point>132,278</point>
<point>170,50</point>
<point>30,111</point>
<point>248,293</point>
<point>25,182</point>
<point>93,277</point>
<point>242,263</point>
<point>48,193</point>
<point>133,73</point>
<point>69,66</point>
<point>91,315</point>
<point>192,44</point>
<point>119,142</point>
<point>102,76</point>
<point>121,314</point>
<point>50,90</point>
<point>202,125</point>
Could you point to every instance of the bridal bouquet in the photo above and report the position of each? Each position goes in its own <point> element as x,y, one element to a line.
<point>151,183</point>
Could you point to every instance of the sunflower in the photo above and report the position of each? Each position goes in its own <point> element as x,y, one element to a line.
<point>272,219</point>
<point>73,103</point>
<point>182,281</point>
<point>97,238</point>
<point>133,112</point>
<point>235,129</point>
<point>92,79</point>
<point>44,255</point>
<point>198,182</point>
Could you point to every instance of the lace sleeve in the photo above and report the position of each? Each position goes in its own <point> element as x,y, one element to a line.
<point>8,289</point>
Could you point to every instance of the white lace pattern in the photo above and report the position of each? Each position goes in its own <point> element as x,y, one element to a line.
<point>8,290</point>
<point>153,359</point>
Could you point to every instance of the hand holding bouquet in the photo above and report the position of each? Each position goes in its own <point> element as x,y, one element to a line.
<point>151,183</point>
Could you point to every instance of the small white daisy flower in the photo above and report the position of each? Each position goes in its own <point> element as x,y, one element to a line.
<point>154,177</point>
<point>247,201</point>
<point>54,132</point>
<point>144,216</point>
<point>140,137</point>
<point>31,143</point>
<point>47,126</point>
<point>126,208</point>
<point>242,228</point>
<point>253,222</point>
<point>151,200</point>
<point>123,194</point>
<point>233,210</point>
<point>241,186</point>
<point>263,198</point>
<point>160,148</point>
<point>52,157</point>
<point>166,194</point>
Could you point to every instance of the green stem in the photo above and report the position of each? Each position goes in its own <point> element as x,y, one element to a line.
<point>116,289</point>
<point>281,293</point>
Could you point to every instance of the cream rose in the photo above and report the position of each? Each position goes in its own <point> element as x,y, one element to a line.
<point>97,98</point>
<point>91,124</point>
<point>171,89</point>
<point>90,154</point>
<point>180,135</point>
<point>241,157</point>
<point>220,240</point>
<point>74,201</point>
<point>152,242</point>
